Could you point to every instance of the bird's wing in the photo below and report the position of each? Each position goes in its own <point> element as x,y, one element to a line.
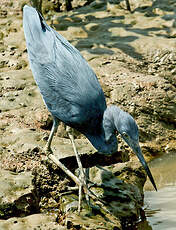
<point>68,85</point>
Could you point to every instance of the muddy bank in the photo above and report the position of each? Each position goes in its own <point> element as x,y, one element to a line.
<point>115,202</point>
<point>133,56</point>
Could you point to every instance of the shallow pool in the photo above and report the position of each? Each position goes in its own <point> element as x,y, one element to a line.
<point>160,207</point>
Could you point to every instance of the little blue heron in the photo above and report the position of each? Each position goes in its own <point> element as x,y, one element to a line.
<point>73,95</point>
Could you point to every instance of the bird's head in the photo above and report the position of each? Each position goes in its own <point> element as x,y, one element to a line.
<point>128,129</point>
<point>125,125</point>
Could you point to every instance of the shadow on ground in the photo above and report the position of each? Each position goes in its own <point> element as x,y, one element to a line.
<point>99,29</point>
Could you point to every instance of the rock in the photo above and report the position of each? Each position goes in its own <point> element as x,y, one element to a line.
<point>27,158</point>
<point>112,8</point>
<point>119,186</point>
<point>98,4</point>
<point>43,118</point>
<point>32,222</point>
<point>3,64</point>
<point>158,11</point>
<point>1,35</point>
<point>3,13</point>
<point>16,196</point>
<point>21,64</point>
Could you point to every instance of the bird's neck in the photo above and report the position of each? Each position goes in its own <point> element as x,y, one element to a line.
<point>111,118</point>
<point>105,139</point>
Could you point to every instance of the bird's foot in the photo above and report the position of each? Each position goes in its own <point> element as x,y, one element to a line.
<point>85,188</point>
<point>80,181</point>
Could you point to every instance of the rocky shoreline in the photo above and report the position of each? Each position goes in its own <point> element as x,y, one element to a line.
<point>134,57</point>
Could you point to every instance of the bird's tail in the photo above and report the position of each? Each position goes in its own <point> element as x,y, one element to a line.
<point>39,36</point>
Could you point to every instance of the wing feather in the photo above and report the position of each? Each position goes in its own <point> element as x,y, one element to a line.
<point>69,86</point>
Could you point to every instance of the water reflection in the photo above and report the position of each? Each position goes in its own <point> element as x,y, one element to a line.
<point>164,171</point>
<point>160,207</point>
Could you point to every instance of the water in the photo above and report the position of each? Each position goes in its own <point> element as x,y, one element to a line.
<point>160,207</point>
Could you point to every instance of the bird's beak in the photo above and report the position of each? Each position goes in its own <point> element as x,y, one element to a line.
<point>136,148</point>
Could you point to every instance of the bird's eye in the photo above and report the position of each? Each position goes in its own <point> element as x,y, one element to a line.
<point>125,135</point>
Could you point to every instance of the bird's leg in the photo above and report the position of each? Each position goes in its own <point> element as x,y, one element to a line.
<point>82,177</point>
<point>65,169</point>
<point>87,179</point>
<point>51,156</point>
<point>47,147</point>
<point>81,181</point>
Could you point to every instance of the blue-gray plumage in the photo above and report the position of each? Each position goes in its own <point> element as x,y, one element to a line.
<point>71,91</point>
